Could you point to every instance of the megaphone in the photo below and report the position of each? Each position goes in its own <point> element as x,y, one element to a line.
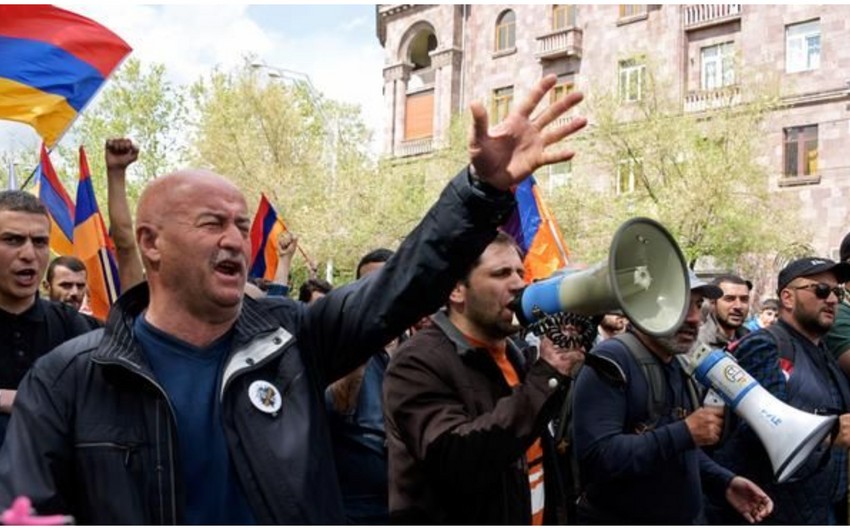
<point>789,435</point>
<point>645,276</point>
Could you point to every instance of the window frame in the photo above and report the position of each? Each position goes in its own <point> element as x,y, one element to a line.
<point>637,67</point>
<point>798,50</point>
<point>634,166</point>
<point>502,100</point>
<point>559,178</point>
<point>724,63</point>
<point>632,10</point>
<point>561,89</point>
<point>797,141</point>
<point>565,11</point>
<point>508,28</point>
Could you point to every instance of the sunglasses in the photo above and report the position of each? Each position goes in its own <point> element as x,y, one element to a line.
<point>822,290</point>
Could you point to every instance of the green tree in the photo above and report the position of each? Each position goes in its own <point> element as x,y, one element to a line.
<point>306,153</point>
<point>138,102</point>
<point>697,173</point>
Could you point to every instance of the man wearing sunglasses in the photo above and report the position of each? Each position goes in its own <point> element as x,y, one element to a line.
<point>838,338</point>
<point>790,360</point>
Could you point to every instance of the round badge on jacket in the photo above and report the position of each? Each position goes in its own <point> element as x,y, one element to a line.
<point>265,397</point>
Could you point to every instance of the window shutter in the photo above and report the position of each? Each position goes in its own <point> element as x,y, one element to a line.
<point>419,115</point>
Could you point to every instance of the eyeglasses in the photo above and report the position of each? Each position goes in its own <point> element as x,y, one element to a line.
<point>822,290</point>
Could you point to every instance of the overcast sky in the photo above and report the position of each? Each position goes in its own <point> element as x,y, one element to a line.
<point>335,45</point>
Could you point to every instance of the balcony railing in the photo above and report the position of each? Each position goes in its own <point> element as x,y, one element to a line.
<point>702,15</point>
<point>419,146</point>
<point>421,79</point>
<point>561,43</point>
<point>703,100</point>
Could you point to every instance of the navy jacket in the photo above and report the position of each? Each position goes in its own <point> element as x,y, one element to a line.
<point>654,477</point>
<point>816,385</point>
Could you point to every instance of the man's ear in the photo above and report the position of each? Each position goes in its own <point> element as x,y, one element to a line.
<point>786,299</point>
<point>147,239</point>
<point>458,294</point>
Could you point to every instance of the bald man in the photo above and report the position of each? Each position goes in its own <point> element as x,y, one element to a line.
<point>198,405</point>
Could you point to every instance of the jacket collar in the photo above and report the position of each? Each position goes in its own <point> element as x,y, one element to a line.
<point>118,343</point>
<point>464,348</point>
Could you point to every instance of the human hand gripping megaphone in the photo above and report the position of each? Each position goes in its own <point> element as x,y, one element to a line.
<point>789,435</point>
<point>645,275</point>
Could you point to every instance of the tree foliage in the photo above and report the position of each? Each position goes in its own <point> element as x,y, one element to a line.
<point>306,153</point>
<point>699,174</point>
<point>138,102</point>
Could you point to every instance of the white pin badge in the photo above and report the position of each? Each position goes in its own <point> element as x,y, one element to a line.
<point>265,397</point>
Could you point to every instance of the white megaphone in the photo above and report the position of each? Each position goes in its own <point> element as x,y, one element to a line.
<point>789,435</point>
<point>645,276</point>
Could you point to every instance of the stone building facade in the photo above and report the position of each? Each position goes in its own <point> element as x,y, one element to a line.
<point>439,58</point>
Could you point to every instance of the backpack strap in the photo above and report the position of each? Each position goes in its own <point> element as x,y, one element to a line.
<point>656,402</point>
<point>783,342</point>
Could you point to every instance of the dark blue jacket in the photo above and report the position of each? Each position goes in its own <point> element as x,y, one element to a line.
<point>360,448</point>
<point>816,385</point>
<point>653,477</point>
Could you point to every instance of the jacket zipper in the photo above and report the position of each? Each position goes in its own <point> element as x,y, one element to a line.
<point>171,460</point>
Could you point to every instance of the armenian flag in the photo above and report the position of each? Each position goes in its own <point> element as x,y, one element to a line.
<point>60,209</point>
<point>537,232</point>
<point>94,247</point>
<point>265,230</point>
<point>52,63</point>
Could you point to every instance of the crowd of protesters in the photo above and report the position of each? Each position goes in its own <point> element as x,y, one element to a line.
<point>409,396</point>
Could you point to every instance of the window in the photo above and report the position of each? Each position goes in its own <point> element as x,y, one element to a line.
<point>802,46</point>
<point>632,11</point>
<point>560,90</point>
<point>419,115</point>
<point>502,100</point>
<point>628,171</point>
<point>563,16</point>
<point>559,174</point>
<point>718,66</point>
<point>506,31</point>
<point>801,151</point>
<point>632,73</point>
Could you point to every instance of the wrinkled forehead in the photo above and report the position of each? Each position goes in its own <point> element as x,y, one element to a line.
<point>209,194</point>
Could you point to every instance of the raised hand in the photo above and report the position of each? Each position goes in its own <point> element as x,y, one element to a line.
<point>287,242</point>
<point>506,154</point>
<point>120,153</point>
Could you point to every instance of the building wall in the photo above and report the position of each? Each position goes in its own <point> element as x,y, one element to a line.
<point>472,70</point>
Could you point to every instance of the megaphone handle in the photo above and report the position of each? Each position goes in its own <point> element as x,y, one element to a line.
<point>713,399</point>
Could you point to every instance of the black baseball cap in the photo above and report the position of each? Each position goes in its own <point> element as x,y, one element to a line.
<point>844,253</point>
<point>810,266</point>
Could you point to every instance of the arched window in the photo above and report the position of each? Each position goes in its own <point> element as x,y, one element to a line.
<point>506,31</point>
<point>420,47</point>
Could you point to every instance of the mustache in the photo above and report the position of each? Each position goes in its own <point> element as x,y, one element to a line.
<point>234,258</point>
<point>688,328</point>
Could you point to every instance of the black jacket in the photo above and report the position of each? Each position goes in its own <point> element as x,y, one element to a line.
<point>93,433</point>
<point>458,434</point>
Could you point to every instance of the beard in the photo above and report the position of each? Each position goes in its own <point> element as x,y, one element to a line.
<point>726,321</point>
<point>812,322</point>
<point>676,344</point>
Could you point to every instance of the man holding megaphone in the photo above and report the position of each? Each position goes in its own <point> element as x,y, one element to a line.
<point>790,361</point>
<point>641,462</point>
